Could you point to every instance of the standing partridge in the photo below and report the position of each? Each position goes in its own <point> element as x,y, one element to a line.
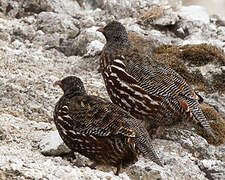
<point>149,90</point>
<point>98,129</point>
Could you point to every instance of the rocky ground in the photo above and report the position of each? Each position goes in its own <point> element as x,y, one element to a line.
<point>42,41</point>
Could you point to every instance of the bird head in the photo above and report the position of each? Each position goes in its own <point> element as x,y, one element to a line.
<point>71,85</point>
<point>115,33</point>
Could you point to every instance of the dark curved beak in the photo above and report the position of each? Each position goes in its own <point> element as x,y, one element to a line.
<point>57,83</point>
<point>100,30</point>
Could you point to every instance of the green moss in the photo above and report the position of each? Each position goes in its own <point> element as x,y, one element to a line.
<point>142,44</point>
<point>178,57</point>
<point>219,82</point>
<point>217,125</point>
<point>202,54</point>
<point>197,79</point>
<point>171,50</point>
<point>210,113</point>
<point>196,54</point>
<point>218,128</point>
<point>170,55</point>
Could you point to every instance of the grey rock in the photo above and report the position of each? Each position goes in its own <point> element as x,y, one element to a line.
<point>82,44</point>
<point>23,32</point>
<point>24,8</point>
<point>190,141</point>
<point>94,48</point>
<point>56,31</point>
<point>217,101</point>
<point>168,17</point>
<point>2,134</point>
<point>48,41</point>
<point>213,169</point>
<point>50,22</point>
<point>215,19</point>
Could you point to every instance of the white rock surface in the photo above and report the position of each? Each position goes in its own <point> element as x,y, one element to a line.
<point>194,13</point>
<point>94,48</point>
<point>52,144</point>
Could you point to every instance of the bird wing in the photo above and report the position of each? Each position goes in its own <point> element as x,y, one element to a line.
<point>100,117</point>
<point>104,119</point>
<point>159,79</point>
<point>149,74</point>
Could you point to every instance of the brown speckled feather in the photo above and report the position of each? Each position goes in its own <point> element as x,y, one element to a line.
<point>98,129</point>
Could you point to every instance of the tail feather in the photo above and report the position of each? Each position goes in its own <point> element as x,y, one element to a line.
<point>145,146</point>
<point>148,150</point>
<point>199,116</point>
<point>142,141</point>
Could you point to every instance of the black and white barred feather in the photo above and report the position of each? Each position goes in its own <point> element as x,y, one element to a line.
<point>145,87</point>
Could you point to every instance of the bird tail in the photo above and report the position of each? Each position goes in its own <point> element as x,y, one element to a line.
<point>143,143</point>
<point>195,112</point>
<point>147,149</point>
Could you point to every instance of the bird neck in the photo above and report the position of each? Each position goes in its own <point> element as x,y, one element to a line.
<point>117,45</point>
<point>74,92</point>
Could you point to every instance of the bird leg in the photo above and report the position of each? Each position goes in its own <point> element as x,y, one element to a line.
<point>119,167</point>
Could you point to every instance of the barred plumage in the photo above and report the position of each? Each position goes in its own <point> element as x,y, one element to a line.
<point>98,129</point>
<point>145,87</point>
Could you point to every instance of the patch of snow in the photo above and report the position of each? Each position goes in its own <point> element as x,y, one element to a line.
<point>194,13</point>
